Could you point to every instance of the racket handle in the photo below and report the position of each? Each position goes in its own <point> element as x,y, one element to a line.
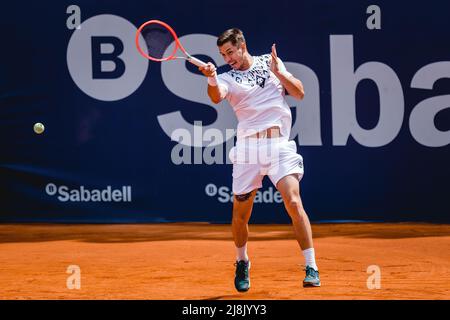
<point>197,62</point>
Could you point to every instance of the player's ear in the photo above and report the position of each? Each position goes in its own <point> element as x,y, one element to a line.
<point>243,46</point>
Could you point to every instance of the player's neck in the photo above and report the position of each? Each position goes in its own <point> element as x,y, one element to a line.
<point>247,63</point>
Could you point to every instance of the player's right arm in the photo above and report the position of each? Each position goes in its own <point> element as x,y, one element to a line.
<point>216,92</point>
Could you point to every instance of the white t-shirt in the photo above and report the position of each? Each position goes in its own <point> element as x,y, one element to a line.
<point>257,98</point>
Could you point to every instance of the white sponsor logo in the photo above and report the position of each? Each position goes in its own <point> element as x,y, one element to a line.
<point>103,61</point>
<point>225,195</point>
<point>82,194</point>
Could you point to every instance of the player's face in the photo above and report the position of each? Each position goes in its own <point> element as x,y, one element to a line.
<point>233,55</point>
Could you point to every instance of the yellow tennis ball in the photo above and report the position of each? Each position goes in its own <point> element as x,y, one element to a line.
<point>38,128</point>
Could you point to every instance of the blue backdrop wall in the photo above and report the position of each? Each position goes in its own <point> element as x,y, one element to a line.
<point>373,129</point>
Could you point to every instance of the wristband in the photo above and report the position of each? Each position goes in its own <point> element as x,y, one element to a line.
<point>212,81</point>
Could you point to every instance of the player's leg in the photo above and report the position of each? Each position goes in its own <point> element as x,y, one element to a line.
<point>285,173</point>
<point>246,180</point>
<point>242,210</point>
<point>289,189</point>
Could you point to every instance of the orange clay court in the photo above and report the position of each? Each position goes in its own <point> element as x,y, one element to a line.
<point>195,261</point>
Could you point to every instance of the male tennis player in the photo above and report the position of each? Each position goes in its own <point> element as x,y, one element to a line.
<point>255,88</point>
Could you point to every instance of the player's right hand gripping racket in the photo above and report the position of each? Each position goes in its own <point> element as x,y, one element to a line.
<point>158,37</point>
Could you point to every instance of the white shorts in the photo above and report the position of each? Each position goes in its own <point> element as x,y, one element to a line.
<point>255,158</point>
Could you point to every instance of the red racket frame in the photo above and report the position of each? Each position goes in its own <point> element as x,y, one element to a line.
<point>175,37</point>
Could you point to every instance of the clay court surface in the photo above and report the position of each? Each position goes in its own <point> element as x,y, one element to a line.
<point>195,261</point>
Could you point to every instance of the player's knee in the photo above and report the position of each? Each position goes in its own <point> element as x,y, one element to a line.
<point>243,197</point>
<point>294,203</point>
<point>240,219</point>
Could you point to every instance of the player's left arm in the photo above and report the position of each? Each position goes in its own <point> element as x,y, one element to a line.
<point>292,85</point>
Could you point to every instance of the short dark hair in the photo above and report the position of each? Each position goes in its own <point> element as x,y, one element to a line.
<point>234,35</point>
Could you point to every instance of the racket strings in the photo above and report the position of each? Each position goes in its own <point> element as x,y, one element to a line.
<point>157,39</point>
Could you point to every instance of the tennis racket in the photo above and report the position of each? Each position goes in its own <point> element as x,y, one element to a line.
<point>158,36</point>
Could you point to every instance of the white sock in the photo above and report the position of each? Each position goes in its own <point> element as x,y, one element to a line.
<point>310,258</point>
<point>241,253</point>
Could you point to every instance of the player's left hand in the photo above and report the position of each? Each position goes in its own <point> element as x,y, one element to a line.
<point>274,66</point>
